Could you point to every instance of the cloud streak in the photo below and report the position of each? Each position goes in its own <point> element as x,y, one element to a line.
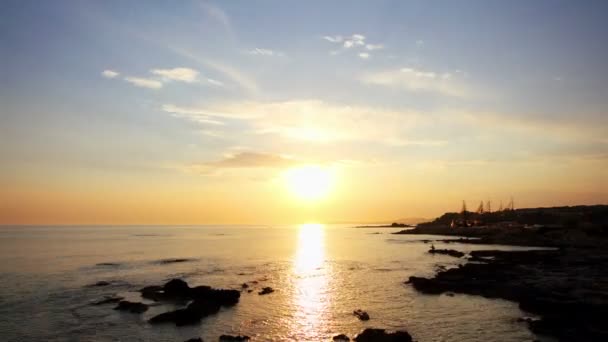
<point>177,74</point>
<point>417,80</point>
<point>245,160</point>
<point>144,82</point>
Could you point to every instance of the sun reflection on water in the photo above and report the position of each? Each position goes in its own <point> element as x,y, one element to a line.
<point>311,296</point>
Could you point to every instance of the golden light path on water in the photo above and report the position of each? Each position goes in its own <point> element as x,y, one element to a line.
<point>311,296</point>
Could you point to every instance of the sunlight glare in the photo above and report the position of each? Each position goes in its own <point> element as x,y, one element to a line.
<point>310,182</point>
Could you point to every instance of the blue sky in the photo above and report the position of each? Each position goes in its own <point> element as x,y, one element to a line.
<point>201,92</point>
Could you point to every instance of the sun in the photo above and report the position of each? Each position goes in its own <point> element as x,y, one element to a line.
<point>309,182</point>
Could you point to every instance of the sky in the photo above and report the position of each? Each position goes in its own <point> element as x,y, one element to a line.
<point>196,112</point>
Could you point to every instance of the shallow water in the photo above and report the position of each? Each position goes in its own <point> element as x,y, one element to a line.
<point>320,274</point>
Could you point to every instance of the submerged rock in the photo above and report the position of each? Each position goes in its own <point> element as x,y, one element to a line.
<point>266,290</point>
<point>362,315</point>
<point>230,338</point>
<point>195,339</point>
<point>450,252</point>
<point>133,307</point>
<point>380,335</point>
<point>341,338</point>
<point>174,261</point>
<point>99,284</point>
<point>177,289</point>
<point>205,301</point>
<point>108,300</point>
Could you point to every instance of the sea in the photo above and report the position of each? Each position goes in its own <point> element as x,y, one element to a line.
<point>320,274</point>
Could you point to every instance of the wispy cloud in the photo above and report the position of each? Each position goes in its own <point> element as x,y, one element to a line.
<point>177,74</point>
<point>310,120</point>
<point>110,74</point>
<point>373,47</point>
<point>418,80</point>
<point>265,52</point>
<point>354,41</point>
<point>144,82</point>
<point>244,159</point>
<point>235,75</point>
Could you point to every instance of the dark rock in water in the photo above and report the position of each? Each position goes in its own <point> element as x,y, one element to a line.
<point>153,292</point>
<point>195,339</point>
<point>230,338</point>
<point>362,315</point>
<point>174,261</point>
<point>133,307</point>
<point>244,285</point>
<point>99,284</point>
<point>341,338</point>
<point>380,335</point>
<point>107,264</point>
<point>176,288</point>
<point>192,314</point>
<point>249,291</point>
<point>108,300</point>
<point>450,252</point>
<point>221,296</point>
<point>266,290</point>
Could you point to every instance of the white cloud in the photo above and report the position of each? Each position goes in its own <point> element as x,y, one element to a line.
<point>334,39</point>
<point>265,52</point>
<point>418,80</point>
<point>177,74</point>
<point>355,41</point>
<point>110,73</point>
<point>144,82</point>
<point>215,82</point>
<point>373,47</point>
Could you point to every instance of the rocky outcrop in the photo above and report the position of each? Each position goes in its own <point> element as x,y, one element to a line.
<point>381,335</point>
<point>362,315</point>
<point>266,290</point>
<point>450,252</point>
<point>132,307</point>
<point>565,287</point>
<point>341,338</point>
<point>205,301</point>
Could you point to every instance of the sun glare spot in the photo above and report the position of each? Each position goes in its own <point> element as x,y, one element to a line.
<point>310,182</point>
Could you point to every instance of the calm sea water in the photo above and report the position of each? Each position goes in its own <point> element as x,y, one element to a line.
<point>320,274</point>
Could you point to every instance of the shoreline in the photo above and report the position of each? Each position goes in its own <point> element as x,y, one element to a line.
<point>566,287</point>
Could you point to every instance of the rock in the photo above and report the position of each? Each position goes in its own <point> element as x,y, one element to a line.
<point>107,264</point>
<point>266,290</point>
<point>341,338</point>
<point>450,252</point>
<point>244,286</point>
<point>380,335</point>
<point>108,300</point>
<point>230,338</point>
<point>173,261</point>
<point>249,291</point>
<point>362,315</point>
<point>154,292</point>
<point>195,339</point>
<point>99,284</point>
<point>132,307</point>
<point>192,314</point>
<point>176,288</point>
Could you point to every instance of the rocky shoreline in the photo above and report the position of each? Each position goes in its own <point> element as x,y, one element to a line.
<point>567,287</point>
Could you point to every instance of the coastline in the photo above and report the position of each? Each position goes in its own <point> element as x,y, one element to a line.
<point>566,286</point>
